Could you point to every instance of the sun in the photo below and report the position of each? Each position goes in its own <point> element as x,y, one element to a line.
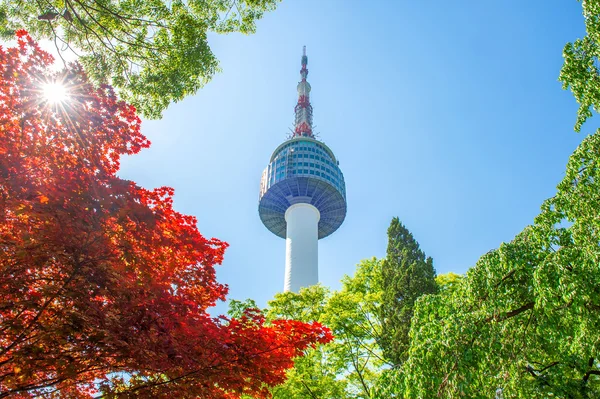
<point>55,92</point>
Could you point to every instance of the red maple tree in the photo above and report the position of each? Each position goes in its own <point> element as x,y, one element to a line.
<point>104,287</point>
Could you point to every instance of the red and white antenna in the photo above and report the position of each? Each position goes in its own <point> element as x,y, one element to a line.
<point>303,123</point>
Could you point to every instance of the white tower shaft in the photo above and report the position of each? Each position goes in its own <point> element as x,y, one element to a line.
<point>301,247</point>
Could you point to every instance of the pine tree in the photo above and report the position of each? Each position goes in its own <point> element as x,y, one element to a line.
<point>407,274</point>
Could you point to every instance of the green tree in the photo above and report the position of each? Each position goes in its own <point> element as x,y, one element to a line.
<point>317,377</point>
<point>448,281</point>
<point>406,275</point>
<point>350,366</point>
<point>526,317</point>
<point>153,52</point>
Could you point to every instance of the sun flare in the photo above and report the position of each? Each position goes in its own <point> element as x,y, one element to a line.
<point>55,92</point>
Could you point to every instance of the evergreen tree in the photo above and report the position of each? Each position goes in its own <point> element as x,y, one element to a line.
<point>407,274</point>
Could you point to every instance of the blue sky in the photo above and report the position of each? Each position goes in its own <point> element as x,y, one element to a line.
<point>448,115</point>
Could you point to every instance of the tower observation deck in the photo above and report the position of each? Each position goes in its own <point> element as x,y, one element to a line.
<point>302,193</point>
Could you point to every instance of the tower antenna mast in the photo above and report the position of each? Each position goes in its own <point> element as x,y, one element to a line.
<point>304,111</point>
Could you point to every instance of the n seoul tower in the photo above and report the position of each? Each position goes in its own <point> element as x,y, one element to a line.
<point>302,194</point>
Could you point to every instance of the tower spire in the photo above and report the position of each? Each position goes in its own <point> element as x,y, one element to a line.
<point>303,122</point>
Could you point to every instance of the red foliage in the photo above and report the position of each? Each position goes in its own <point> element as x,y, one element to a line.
<point>103,286</point>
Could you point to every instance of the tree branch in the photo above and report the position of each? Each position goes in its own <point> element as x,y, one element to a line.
<point>511,313</point>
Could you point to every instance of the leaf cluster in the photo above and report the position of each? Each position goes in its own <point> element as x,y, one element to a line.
<point>581,69</point>
<point>350,365</point>
<point>153,52</point>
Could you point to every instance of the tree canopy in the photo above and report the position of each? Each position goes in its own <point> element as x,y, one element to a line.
<point>525,318</point>
<point>104,287</point>
<point>349,366</point>
<point>153,52</point>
